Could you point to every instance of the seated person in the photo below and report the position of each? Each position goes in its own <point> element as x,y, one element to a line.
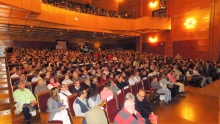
<point>106,92</point>
<point>128,114</point>
<point>143,75</point>
<point>41,87</point>
<point>178,74</point>
<point>132,80</point>
<point>25,98</point>
<point>64,93</point>
<point>53,84</point>
<point>161,89</point>
<point>193,76</point>
<point>95,81</point>
<point>67,80</point>
<point>172,79</point>
<point>81,105</point>
<point>113,87</point>
<point>76,87</point>
<point>88,84</point>
<point>142,106</point>
<point>121,82</point>
<point>36,77</point>
<point>56,108</point>
<point>93,98</point>
<point>85,74</point>
<point>16,74</point>
<point>103,79</point>
<point>21,79</point>
<point>137,77</point>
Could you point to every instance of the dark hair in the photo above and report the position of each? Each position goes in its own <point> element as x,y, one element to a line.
<point>80,92</point>
<point>92,92</point>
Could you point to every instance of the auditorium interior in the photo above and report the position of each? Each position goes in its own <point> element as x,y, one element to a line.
<point>114,38</point>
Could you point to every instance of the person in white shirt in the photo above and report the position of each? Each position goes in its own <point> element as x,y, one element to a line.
<point>94,98</point>
<point>81,105</point>
<point>67,80</point>
<point>64,93</point>
<point>137,77</point>
<point>132,80</point>
<point>16,74</point>
<point>155,72</point>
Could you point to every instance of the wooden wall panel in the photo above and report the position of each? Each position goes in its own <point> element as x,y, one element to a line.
<point>159,46</point>
<point>197,9</point>
<point>156,48</point>
<point>191,49</point>
<point>131,7</point>
<point>31,5</point>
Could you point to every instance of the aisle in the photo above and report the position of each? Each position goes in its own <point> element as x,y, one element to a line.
<point>200,106</point>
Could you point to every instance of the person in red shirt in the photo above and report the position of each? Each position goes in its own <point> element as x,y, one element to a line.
<point>128,114</point>
<point>103,79</point>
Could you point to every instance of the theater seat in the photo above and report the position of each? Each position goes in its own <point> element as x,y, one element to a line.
<point>13,80</point>
<point>134,89</point>
<point>42,105</point>
<point>33,85</point>
<point>126,90</point>
<point>111,109</point>
<point>29,78</point>
<point>120,99</point>
<point>71,99</point>
<point>70,87</point>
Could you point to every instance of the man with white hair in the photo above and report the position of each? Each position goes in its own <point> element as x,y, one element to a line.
<point>128,114</point>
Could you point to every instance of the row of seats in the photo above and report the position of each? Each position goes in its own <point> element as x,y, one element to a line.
<point>112,105</point>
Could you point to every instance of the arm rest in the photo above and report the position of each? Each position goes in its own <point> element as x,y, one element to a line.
<point>44,117</point>
<point>77,120</point>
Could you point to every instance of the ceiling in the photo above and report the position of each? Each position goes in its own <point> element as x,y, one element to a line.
<point>39,32</point>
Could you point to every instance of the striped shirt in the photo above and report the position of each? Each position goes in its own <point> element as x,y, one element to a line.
<point>124,117</point>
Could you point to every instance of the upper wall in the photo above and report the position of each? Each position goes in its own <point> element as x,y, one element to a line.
<point>111,5</point>
<point>197,9</point>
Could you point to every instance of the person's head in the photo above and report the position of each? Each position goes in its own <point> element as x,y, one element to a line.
<point>77,84</point>
<point>21,86</point>
<point>120,78</point>
<point>106,86</point>
<point>95,80</point>
<point>207,63</point>
<point>40,82</point>
<point>136,73</point>
<point>54,93</point>
<point>112,83</point>
<point>129,103</point>
<point>18,72</point>
<point>92,92</point>
<point>141,95</point>
<point>82,93</point>
<point>64,87</point>
<point>87,81</point>
<point>67,77</point>
<point>85,72</point>
<point>52,80</point>
<point>156,70</point>
<point>75,75</point>
<point>22,77</point>
<point>103,75</point>
<point>194,68</point>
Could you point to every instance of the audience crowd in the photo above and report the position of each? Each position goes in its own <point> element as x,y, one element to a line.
<point>82,8</point>
<point>113,69</point>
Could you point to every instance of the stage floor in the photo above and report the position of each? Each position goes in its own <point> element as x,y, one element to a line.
<point>201,106</point>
